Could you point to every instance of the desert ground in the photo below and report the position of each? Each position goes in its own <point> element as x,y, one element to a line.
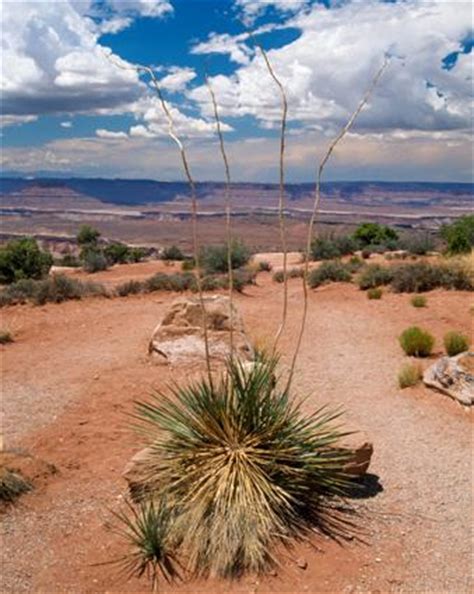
<point>72,375</point>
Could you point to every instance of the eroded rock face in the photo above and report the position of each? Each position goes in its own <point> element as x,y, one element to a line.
<point>180,335</point>
<point>453,376</point>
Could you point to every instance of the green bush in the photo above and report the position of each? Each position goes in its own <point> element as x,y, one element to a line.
<point>242,278</point>
<point>374,275</point>
<point>373,234</point>
<point>354,264</point>
<point>172,253</point>
<point>418,243</point>
<point>374,293</point>
<point>459,236</point>
<point>23,259</point>
<point>93,260</point>
<point>137,254</point>
<point>455,343</point>
<point>409,375</point>
<point>329,248</point>
<point>418,301</point>
<point>116,253</point>
<point>416,342</point>
<point>214,258</point>
<point>329,271</point>
<point>87,235</point>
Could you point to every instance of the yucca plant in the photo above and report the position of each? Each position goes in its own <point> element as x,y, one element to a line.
<point>146,532</point>
<point>241,468</point>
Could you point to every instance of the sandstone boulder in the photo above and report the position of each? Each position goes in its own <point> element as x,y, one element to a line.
<point>180,335</point>
<point>360,450</point>
<point>453,376</point>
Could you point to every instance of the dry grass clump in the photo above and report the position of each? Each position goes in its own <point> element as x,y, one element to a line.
<point>418,301</point>
<point>416,342</point>
<point>374,293</point>
<point>409,375</point>
<point>12,485</point>
<point>279,275</point>
<point>455,343</point>
<point>6,337</point>
<point>374,275</point>
<point>264,266</point>
<point>240,469</point>
<point>419,277</point>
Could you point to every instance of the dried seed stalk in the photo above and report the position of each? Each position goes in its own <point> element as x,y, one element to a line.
<point>316,204</point>
<point>227,211</point>
<point>281,202</point>
<point>173,135</point>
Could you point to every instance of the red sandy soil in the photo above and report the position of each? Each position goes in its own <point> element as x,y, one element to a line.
<point>75,369</point>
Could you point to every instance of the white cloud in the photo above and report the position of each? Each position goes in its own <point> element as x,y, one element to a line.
<point>177,79</point>
<point>254,8</point>
<point>144,8</point>
<point>11,120</point>
<point>327,69</point>
<point>66,124</point>
<point>109,134</point>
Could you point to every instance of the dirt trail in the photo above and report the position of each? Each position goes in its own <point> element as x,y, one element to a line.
<point>76,368</point>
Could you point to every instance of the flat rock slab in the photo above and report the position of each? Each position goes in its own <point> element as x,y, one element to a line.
<point>453,376</point>
<point>179,337</point>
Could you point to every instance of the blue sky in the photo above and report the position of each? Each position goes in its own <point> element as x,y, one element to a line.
<point>69,108</point>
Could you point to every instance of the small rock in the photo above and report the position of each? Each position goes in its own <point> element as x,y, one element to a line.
<point>302,563</point>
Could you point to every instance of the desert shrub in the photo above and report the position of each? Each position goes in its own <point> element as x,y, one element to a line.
<point>58,288</point>
<point>116,253</point>
<point>459,235</point>
<point>419,277</point>
<point>180,282</point>
<point>188,264</point>
<point>172,252</point>
<point>330,271</point>
<point>12,485</point>
<point>455,343</point>
<point>131,287</point>
<point>418,301</point>
<point>69,260</point>
<point>416,342</point>
<point>409,375</point>
<point>23,259</point>
<point>294,272</point>
<point>214,258</point>
<point>345,244</point>
<point>241,279</point>
<point>365,253</point>
<point>278,276</point>
<point>241,469</point>
<point>19,292</point>
<point>137,254</point>
<point>87,235</point>
<point>264,266</point>
<point>354,264</point>
<point>373,234</point>
<point>374,293</point>
<point>418,243</point>
<point>212,283</point>
<point>6,337</point>
<point>324,249</point>
<point>374,275</point>
<point>93,260</point>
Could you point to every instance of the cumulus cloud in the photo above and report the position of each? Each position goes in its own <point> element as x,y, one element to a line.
<point>177,79</point>
<point>254,8</point>
<point>326,70</point>
<point>111,135</point>
<point>144,8</point>
<point>66,124</point>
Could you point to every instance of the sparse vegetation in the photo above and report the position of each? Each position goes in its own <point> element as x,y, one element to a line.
<point>374,275</point>
<point>459,236</point>
<point>131,287</point>
<point>172,252</point>
<point>418,243</point>
<point>277,470</point>
<point>23,259</point>
<point>409,375</point>
<point>214,258</point>
<point>330,271</point>
<point>87,236</point>
<point>418,301</point>
<point>5,337</point>
<point>93,260</point>
<point>295,272</point>
<point>332,247</point>
<point>264,266</point>
<point>455,343</point>
<point>374,293</point>
<point>419,277</point>
<point>12,485</point>
<point>188,264</point>
<point>416,342</point>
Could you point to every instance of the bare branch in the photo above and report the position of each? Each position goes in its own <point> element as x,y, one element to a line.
<point>317,201</point>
